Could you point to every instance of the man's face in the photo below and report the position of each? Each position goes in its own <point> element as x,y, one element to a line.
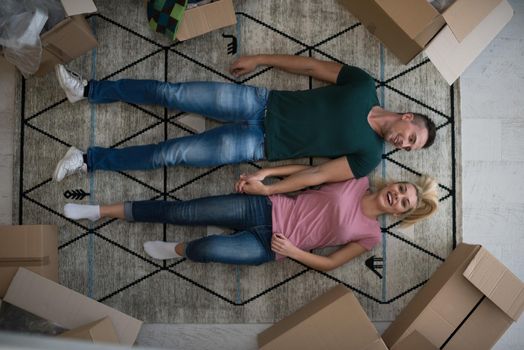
<point>407,134</point>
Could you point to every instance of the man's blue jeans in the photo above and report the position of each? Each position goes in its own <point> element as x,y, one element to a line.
<point>250,216</point>
<point>241,139</point>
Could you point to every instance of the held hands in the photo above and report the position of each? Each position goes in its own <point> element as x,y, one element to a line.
<point>243,65</point>
<point>281,245</point>
<point>252,184</point>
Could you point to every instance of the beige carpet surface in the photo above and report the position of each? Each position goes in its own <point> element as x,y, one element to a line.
<point>106,260</point>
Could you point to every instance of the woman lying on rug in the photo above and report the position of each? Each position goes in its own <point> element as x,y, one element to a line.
<point>276,226</point>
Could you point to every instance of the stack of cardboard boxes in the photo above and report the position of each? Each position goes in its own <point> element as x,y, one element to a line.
<point>451,39</point>
<point>28,280</point>
<point>467,304</point>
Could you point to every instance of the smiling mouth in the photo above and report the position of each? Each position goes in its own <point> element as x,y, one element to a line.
<point>389,198</point>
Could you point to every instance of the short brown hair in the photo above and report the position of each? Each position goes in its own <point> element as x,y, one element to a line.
<point>423,120</point>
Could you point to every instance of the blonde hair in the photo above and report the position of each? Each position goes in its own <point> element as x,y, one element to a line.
<point>427,200</point>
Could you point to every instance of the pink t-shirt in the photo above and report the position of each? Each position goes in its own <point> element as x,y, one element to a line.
<point>328,216</point>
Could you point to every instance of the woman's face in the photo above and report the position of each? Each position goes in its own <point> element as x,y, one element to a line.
<point>397,198</point>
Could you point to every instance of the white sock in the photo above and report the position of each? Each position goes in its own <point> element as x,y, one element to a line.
<point>82,211</point>
<point>161,250</point>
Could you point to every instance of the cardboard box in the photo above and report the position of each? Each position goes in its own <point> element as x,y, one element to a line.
<point>467,304</point>
<point>452,40</point>
<point>70,38</point>
<point>66,307</point>
<point>206,18</point>
<point>335,320</point>
<point>101,331</point>
<point>34,247</point>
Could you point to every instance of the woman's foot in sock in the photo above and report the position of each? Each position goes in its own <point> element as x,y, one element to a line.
<point>82,211</point>
<point>161,250</point>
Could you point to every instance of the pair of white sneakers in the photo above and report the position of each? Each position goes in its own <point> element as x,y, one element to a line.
<point>73,85</point>
<point>73,162</point>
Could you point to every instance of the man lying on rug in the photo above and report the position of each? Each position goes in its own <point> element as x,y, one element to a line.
<point>276,226</point>
<point>342,121</point>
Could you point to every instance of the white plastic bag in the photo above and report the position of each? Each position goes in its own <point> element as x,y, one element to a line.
<point>22,46</point>
<point>21,23</point>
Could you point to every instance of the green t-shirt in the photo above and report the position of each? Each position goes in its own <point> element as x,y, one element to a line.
<point>330,121</point>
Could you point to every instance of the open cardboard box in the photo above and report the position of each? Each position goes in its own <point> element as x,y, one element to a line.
<point>467,304</point>
<point>206,18</point>
<point>65,307</point>
<point>451,40</point>
<point>334,320</point>
<point>70,38</point>
<point>34,247</point>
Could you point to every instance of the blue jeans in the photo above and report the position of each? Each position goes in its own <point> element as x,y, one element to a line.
<point>250,216</point>
<point>242,107</point>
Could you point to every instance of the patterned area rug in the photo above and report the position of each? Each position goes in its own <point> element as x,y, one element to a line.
<point>106,260</point>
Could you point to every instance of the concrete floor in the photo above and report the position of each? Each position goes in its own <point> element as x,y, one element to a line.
<point>492,153</point>
<point>493,169</point>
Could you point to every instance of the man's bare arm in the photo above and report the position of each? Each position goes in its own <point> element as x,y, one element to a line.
<point>321,70</point>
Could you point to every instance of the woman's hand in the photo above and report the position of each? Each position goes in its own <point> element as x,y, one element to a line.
<point>243,65</point>
<point>252,187</point>
<point>257,176</point>
<point>281,245</point>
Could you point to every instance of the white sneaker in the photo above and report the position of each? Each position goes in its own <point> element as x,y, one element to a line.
<point>71,82</point>
<point>71,163</point>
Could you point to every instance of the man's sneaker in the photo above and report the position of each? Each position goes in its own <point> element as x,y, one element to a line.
<point>71,82</point>
<point>72,162</point>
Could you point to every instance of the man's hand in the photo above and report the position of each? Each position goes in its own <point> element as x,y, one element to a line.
<point>281,245</point>
<point>243,65</point>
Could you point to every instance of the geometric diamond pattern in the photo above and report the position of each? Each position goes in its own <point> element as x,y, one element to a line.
<point>237,291</point>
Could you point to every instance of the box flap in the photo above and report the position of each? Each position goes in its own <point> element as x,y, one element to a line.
<point>375,345</point>
<point>205,18</point>
<point>64,306</point>
<point>499,284</point>
<point>78,7</point>
<point>464,15</point>
<point>402,12</point>
<point>481,330</point>
<point>101,331</point>
<point>381,25</point>
<point>414,341</point>
<point>452,57</point>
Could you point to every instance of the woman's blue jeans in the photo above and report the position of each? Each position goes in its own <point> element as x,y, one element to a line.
<point>241,139</point>
<point>249,216</point>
